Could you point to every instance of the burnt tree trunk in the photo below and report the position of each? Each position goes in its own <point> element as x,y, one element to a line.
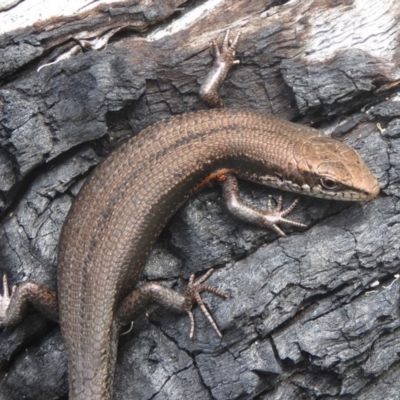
<point>302,320</point>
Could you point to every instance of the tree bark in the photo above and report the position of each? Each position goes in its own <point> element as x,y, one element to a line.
<point>315,315</point>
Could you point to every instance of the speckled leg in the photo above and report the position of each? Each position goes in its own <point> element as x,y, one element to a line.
<point>267,219</point>
<point>223,62</point>
<point>13,308</point>
<point>154,292</point>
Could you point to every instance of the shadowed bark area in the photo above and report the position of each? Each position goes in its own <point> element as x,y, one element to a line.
<point>302,320</point>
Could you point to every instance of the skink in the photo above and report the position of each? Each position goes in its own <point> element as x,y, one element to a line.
<point>128,199</point>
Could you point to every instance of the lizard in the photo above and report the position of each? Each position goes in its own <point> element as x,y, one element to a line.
<point>125,203</point>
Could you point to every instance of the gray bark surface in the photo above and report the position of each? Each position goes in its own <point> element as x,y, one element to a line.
<point>302,320</point>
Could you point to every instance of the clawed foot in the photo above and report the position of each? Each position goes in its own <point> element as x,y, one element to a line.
<point>224,60</point>
<point>276,215</point>
<point>5,299</point>
<point>227,55</point>
<point>267,219</point>
<point>192,295</point>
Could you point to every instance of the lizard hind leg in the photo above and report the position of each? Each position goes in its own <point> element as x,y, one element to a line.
<point>13,307</point>
<point>155,292</point>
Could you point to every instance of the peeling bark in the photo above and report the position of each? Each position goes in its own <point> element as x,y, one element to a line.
<point>302,320</point>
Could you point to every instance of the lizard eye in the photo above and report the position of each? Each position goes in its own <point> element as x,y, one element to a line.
<point>328,184</point>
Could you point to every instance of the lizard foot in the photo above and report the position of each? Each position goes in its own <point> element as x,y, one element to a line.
<point>5,299</point>
<point>276,215</point>
<point>224,59</point>
<point>227,55</point>
<point>267,219</point>
<point>192,295</point>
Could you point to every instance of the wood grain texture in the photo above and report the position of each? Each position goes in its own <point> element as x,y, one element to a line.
<point>301,325</point>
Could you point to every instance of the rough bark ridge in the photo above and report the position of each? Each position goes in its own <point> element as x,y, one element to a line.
<point>303,320</point>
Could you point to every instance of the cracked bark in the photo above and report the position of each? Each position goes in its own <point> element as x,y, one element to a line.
<point>299,322</point>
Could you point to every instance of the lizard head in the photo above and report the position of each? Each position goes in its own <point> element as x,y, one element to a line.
<point>325,167</point>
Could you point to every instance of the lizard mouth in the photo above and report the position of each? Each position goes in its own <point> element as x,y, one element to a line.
<point>326,188</point>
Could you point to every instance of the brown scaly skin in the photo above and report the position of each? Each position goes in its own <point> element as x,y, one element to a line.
<point>123,206</point>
